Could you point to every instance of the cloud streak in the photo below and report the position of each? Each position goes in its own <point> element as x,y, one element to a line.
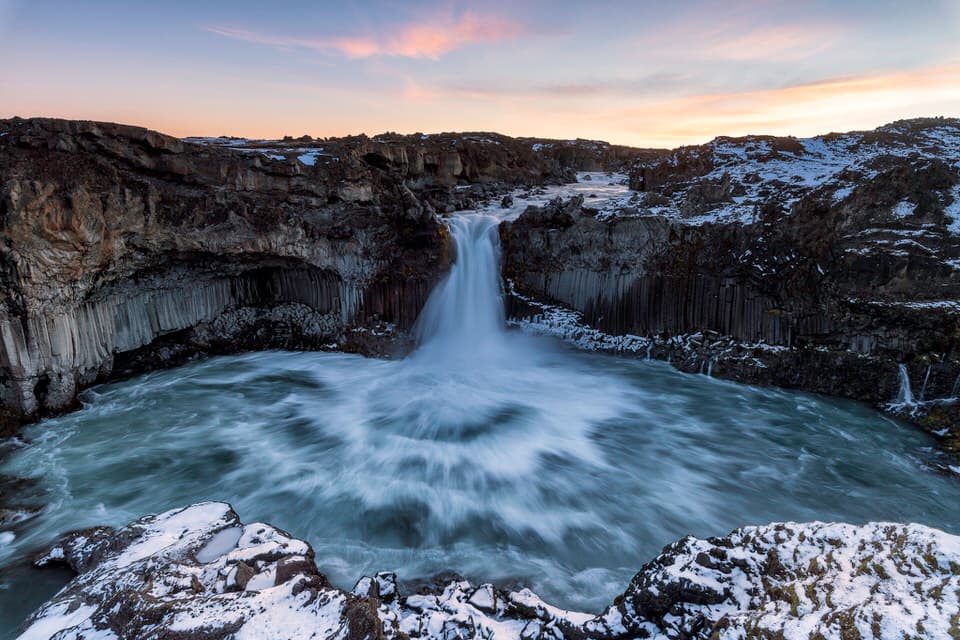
<point>619,89</point>
<point>428,39</point>
<point>782,43</point>
<point>748,33</point>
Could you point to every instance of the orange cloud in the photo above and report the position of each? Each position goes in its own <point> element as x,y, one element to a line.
<point>841,103</point>
<point>416,40</point>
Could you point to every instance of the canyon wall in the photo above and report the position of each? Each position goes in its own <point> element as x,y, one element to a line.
<point>821,264</point>
<point>122,249</point>
<point>818,264</point>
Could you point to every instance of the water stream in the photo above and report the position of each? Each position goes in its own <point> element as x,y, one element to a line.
<point>501,456</point>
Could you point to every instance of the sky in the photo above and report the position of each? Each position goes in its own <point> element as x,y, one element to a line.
<point>637,72</point>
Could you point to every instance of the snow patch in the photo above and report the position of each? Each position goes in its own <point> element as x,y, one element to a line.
<point>952,211</point>
<point>903,209</point>
<point>220,544</point>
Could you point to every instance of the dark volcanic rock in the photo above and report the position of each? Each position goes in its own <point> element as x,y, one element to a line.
<point>114,236</point>
<point>818,264</point>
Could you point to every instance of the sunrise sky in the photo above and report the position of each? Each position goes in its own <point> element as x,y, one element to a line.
<point>635,72</point>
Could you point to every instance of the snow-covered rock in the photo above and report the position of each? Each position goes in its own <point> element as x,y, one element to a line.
<point>729,179</point>
<point>198,572</point>
<point>799,581</point>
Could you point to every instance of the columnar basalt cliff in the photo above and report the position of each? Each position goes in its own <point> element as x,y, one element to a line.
<point>819,264</point>
<point>123,249</point>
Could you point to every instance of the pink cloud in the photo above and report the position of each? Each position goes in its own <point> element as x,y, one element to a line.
<point>430,39</point>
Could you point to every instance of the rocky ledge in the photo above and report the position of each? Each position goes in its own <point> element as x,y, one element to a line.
<point>122,249</point>
<point>828,264</point>
<point>198,572</point>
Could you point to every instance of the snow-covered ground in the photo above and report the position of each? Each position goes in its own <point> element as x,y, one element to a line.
<point>306,155</point>
<point>602,190</point>
<point>836,163</point>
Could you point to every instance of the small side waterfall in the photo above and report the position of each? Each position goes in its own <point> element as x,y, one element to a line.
<point>904,394</point>
<point>923,389</point>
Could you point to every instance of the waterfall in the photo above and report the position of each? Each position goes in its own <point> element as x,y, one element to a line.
<point>464,316</point>
<point>923,388</point>
<point>904,394</point>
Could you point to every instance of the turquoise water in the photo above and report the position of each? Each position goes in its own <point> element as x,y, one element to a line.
<point>565,472</point>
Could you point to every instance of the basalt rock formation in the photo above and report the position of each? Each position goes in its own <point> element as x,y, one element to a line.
<point>821,264</point>
<point>122,249</point>
<point>198,572</point>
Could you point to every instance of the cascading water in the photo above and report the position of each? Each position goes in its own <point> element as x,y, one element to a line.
<point>923,388</point>
<point>498,455</point>
<point>904,393</point>
<point>460,441</point>
<point>463,318</point>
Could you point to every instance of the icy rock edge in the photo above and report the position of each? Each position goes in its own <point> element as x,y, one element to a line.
<point>198,572</point>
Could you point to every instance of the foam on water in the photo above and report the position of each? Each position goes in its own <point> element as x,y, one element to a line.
<point>564,472</point>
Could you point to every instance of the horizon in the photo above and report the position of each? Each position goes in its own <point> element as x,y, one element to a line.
<point>373,136</point>
<point>655,77</point>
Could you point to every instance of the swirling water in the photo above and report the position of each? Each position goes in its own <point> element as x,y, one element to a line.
<point>501,456</point>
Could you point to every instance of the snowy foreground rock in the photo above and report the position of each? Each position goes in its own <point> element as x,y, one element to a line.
<point>198,572</point>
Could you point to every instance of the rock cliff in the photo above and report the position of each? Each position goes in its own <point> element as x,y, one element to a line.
<point>828,264</point>
<point>123,249</point>
<point>821,264</point>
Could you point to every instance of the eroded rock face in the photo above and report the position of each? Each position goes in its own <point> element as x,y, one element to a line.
<point>199,572</point>
<point>120,243</point>
<point>113,236</point>
<point>819,264</point>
